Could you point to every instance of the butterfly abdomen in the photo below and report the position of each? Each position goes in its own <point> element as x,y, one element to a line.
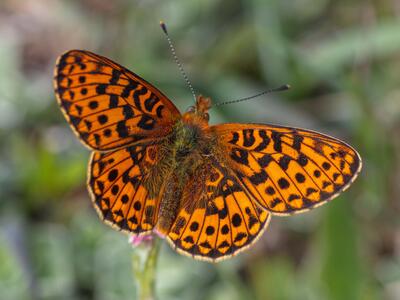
<point>171,193</point>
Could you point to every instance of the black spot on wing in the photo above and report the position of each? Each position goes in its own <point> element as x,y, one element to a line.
<point>101,89</point>
<point>75,120</point>
<point>128,112</point>
<point>122,129</point>
<point>283,183</point>
<point>293,197</point>
<point>300,178</point>
<point>236,220</point>
<point>235,138</point>
<point>240,156</point>
<point>151,102</point>
<point>159,111</point>
<point>275,202</point>
<point>240,236</point>
<point>297,140</point>
<point>113,101</point>
<point>66,105</point>
<point>146,122</point>
<point>136,96</point>
<point>115,76</point>
<point>276,138</point>
<point>302,160</point>
<point>248,137</point>
<point>265,140</point>
<point>284,162</point>
<point>265,160</point>
<point>132,86</point>
<point>258,178</point>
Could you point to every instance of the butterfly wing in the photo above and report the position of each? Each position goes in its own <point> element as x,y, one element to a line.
<point>288,170</point>
<point>118,185</point>
<point>107,105</point>
<point>220,218</point>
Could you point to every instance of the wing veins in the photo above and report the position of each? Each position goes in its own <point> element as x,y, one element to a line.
<point>323,155</point>
<point>290,178</point>
<point>89,73</point>
<point>219,220</point>
<point>133,197</point>
<point>106,190</point>
<point>319,168</point>
<point>118,200</point>
<point>322,141</point>
<point>103,110</point>
<point>186,225</point>
<point>201,230</point>
<point>240,209</point>
<point>109,125</point>
<point>98,62</point>
<point>150,141</point>
<point>144,201</point>
<point>106,170</point>
<point>230,219</point>
<point>93,84</point>
<point>87,98</point>
<point>275,186</point>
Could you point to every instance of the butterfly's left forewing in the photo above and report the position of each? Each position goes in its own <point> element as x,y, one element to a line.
<point>287,170</point>
<point>107,105</point>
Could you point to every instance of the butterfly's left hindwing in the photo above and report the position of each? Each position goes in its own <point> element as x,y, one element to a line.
<point>117,183</point>
<point>287,170</point>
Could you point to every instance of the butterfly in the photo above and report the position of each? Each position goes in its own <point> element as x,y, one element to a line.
<point>209,190</point>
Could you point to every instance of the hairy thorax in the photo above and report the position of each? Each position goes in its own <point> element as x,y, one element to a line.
<point>182,167</point>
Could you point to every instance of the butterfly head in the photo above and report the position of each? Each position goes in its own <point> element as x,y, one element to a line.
<point>200,110</point>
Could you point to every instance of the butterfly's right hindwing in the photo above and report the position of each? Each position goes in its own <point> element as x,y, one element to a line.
<point>224,221</point>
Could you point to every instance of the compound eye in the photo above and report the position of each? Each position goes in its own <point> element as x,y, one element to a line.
<point>191,109</point>
<point>207,116</point>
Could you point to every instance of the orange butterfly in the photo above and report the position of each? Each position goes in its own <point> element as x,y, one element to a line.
<point>209,190</point>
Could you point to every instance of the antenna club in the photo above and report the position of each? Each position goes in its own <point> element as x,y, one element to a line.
<point>163,27</point>
<point>284,87</point>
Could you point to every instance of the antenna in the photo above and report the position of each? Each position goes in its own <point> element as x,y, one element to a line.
<point>284,87</point>
<point>180,66</point>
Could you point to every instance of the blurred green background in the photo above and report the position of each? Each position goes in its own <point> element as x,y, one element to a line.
<point>342,59</point>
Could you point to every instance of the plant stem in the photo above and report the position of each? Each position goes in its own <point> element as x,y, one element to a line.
<point>144,269</point>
